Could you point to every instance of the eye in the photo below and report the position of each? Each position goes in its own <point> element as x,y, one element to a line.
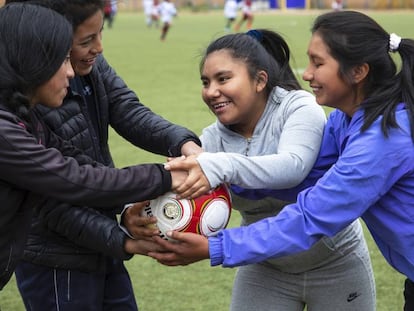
<point>316,62</point>
<point>85,43</point>
<point>204,82</point>
<point>223,78</point>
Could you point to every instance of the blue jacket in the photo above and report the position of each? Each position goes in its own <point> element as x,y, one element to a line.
<point>280,154</point>
<point>366,175</point>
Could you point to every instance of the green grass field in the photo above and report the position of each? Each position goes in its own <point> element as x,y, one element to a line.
<point>166,78</point>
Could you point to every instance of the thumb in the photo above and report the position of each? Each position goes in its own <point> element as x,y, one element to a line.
<point>170,165</point>
<point>176,235</point>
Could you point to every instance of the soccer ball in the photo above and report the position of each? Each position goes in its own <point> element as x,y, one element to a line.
<point>205,215</point>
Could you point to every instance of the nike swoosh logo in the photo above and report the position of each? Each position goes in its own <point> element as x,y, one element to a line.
<point>352,297</point>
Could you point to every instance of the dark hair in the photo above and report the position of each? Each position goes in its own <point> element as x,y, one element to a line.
<point>76,11</point>
<point>260,50</point>
<point>277,47</point>
<point>34,42</point>
<point>354,38</point>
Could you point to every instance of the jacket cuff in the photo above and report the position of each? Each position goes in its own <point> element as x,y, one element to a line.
<point>175,151</point>
<point>121,226</point>
<point>126,256</point>
<point>215,250</point>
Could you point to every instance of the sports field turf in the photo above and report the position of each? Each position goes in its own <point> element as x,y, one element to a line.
<point>166,78</point>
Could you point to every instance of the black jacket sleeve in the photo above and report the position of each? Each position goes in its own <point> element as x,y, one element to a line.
<point>136,122</point>
<point>27,164</point>
<point>85,227</point>
<point>67,149</point>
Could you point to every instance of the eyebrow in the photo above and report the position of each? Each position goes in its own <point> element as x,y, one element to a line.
<point>221,72</point>
<point>314,56</point>
<point>92,35</point>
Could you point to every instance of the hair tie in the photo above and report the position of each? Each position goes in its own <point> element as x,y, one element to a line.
<point>394,42</point>
<point>255,34</point>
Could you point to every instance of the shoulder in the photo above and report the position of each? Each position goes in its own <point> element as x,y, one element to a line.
<point>101,64</point>
<point>104,76</point>
<point>7,117</point>
<point>300,97</point>
<point>209,136</point>
<point>297,100</point>
<point>211,130</point>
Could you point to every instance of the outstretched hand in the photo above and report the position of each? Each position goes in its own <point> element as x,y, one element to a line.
<point>186,248</point>
<point>138,226</point>
<point>196,183</point>
<point>142,228</point>
<point>141,247</point>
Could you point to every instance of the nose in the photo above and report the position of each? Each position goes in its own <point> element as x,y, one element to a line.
<point>97,47</point>
<point>70,73</point>
<point>212,91</point>
<point>307,74</point>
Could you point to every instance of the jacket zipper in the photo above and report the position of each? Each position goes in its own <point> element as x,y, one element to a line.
<point>248,140</point>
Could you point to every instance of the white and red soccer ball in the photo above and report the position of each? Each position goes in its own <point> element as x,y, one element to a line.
<point>205,215</point>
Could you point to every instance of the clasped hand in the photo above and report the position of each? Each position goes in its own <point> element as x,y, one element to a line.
<point>188,181</point>
<point>186,248</point>
<point>195,183</point>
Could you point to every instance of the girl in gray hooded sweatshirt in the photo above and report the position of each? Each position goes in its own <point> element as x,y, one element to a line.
<point>267,135</point>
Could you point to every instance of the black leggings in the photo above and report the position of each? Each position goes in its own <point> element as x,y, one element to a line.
<point>409,295</point>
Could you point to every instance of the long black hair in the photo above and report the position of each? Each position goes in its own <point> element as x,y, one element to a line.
<point>278,48</point>
<point>354,38</point>
<point>34,42</point>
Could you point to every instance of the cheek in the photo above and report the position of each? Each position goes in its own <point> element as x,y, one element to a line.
<point>204,95</point>
<point>76,55</point>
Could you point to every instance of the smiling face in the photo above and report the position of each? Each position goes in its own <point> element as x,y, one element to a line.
<point>52,92</point>
<point>232,95</point>
<point>87,44</point>
<point>323,76</point>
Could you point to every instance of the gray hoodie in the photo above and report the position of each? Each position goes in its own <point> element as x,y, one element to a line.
<point>279,155</point>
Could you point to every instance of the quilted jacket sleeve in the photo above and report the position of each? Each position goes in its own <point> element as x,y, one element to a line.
<point>86,227</point>
<point>28,165</point>
<point>134,121</point>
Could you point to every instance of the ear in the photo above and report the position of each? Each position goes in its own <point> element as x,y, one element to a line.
<point>360,72</point>
<point>261,79</point>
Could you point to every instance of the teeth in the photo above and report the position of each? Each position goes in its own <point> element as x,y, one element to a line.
<point>220,105</point>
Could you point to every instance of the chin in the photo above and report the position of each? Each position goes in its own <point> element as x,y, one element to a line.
<point>83,71</point>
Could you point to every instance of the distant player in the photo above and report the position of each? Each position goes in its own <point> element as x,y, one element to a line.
<point>147,6</point>
<point>155,13</point>
<point>230,13</point>
<point>247,15</point>
<point>337,5</point>
<point>110,10</point>
<point>167,12</point>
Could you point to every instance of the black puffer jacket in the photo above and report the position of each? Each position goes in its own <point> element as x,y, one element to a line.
<point>29,173</point>
<point>78,238</point>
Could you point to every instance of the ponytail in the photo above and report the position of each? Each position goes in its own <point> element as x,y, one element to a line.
<point>277,47</point>
<point>406,75</point>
